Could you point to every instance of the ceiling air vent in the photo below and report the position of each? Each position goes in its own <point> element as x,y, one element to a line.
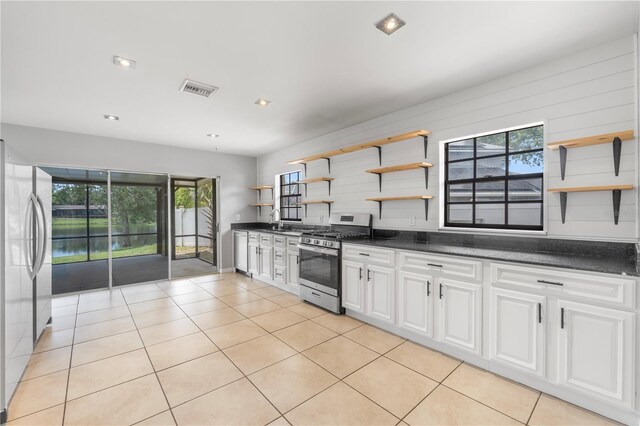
<point>200,89</point>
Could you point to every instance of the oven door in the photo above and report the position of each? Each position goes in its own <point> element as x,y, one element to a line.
<point>320,268</point>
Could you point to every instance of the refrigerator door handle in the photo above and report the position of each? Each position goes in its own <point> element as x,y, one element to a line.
<point>42,234</point>
<point>28,231</point>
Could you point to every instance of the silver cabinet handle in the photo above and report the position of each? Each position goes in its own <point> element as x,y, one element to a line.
<point>428,288</point>
<point>435,265</point>
<point>550,282</point>
<point>360,272</point>
<point>561,317</point>
<point>42,235</point>
<point>440,291</point>
<point>369,275</point>
<point>364,254</point>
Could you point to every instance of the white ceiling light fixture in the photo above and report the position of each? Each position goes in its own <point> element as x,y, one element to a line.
<point>111,117</point>
<point>212,135</point>
<point>262,102</point>
<point>124,62</point>
<point>196,88</point>
<point>390,24</point>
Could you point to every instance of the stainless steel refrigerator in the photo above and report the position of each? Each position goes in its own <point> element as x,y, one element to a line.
<point>25,281</point>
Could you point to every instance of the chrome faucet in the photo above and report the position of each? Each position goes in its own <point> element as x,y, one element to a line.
<point>272,217</point>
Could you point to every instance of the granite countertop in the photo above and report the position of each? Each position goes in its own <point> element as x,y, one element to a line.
<point>608,264</point>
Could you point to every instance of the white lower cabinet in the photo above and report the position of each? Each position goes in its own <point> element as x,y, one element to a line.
<point>381,293</point>
<point>293,272</point>
<point>517,328</point>
<point>369,290</point>
<point>265,262</point>
<point>416,302</point>
<point>595,351</point>
<point>460,314</point>
<point>253,259</point>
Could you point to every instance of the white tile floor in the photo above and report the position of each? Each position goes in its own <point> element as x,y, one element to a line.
<point>225,349</point>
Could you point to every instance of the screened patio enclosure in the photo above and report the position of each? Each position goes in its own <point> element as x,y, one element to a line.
<point>113,228</point>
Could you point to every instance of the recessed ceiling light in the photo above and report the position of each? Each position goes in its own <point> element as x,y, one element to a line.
<point>262,102</point>
<point>390,24</point>
<point>213,135</point>
<point>124,62</point>
<point>111,117</point>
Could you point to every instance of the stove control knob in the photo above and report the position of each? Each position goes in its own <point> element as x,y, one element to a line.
<point>329,243</point>
<point>315,241</point>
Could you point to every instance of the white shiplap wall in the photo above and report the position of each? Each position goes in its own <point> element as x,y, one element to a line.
<point>591,92</point>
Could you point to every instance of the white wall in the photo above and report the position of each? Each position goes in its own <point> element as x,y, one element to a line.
<point>588,93</point>
<point>237,173</point>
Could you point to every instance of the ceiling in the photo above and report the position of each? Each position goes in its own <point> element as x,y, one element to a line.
<point>323,65</point>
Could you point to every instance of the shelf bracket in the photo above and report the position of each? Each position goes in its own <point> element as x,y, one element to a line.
<point>260,211</point>
<point>426,209</point>
<point>305,169</point>
<point>617,194</point>
<point>305,210</point>
<point>329,182</point>
<point>617,150</point>
<point>426,178</point>
<point>329,205</point>
<point>379,148</point>
<point>272,193</point>
<point>563,205</point>
<point>328,164</point>
<point>379,209</point>
<point>305,190</point>
<point>426,141</point>
<point>563,161</point>
<point>380,181</point>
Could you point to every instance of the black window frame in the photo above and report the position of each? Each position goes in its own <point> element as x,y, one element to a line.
<point>506,178</point>
<point>294,200</point>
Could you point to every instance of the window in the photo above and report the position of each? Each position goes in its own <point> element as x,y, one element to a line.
<point>495,181</point>
<point>290,196</point>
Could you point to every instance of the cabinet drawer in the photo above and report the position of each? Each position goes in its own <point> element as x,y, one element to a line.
<point>292,244</point>
<point>266,239</point>
<point>254,237</point>
<point>279,274</point>
<point>279,241</point>
<point>369,255</point>
<point>453,267</point>
<point>279,256</point>
<point>599,288</point>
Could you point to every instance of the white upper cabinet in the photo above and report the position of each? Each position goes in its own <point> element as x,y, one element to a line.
<point>595,352</point>
<point>518,330</point>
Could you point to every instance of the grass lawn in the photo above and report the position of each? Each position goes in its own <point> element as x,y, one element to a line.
<point>134,251</point>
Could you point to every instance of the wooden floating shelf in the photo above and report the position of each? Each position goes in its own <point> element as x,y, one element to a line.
<point>400,168</point>
<point>260,206</point>
<point>616,190</point>
<point>259,188</point>
<point>367,145</point>
<point>615,139</point>
<point>308,202</point>
<point>305,182</point>
<point>426,199</point>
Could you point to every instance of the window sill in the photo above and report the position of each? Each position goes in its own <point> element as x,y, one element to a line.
<point>491,231</point>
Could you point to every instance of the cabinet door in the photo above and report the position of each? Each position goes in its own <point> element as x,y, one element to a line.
<point>416,302</point>
<point>266,262</point>
<point>460,314</point>
<point>293,269</point>
<point>595,351</point>
<point>254,259</point>
<point>353,285</point>
<point>381,291</point>
<point>518,330</point>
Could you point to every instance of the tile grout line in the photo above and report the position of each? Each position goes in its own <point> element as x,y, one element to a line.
<point>66,391</point>
<point>534,408</point>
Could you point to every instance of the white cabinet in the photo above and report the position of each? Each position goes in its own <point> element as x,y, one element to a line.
<point>381,293</point>
<point>353,286</point>
<point>265,262</point>
<point>240,247</point>
<point>253,259</point>
<point>517,328</point>
<point>416,302</point>
<point>293,271</point>
<point>460,315</point>
<point>595,351</point>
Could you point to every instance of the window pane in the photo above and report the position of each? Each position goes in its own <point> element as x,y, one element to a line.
<point>460,213</point>
<point>295,177</point>
<point>525,189</point>
<point>461,149</point>
<point>490,191</point>
<point>99,248</point>
<point>69,250</point>
<point>531,162</point>
<point>525,139</point>
<point>461,170</point>
<point>98,210</point>
<point>489,167</point>
<point>529,214</point>
<point>491,144</point>
<point>69,210</point>
<point>461,192</point>
<point>492,214</point>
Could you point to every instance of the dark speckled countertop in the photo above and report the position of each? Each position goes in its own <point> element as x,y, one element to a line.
<point>613,258</point>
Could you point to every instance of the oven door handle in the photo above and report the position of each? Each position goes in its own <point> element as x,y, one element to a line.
<point>332,252</point>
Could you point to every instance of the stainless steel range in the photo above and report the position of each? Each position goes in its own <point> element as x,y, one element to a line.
<point>321,260</point>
